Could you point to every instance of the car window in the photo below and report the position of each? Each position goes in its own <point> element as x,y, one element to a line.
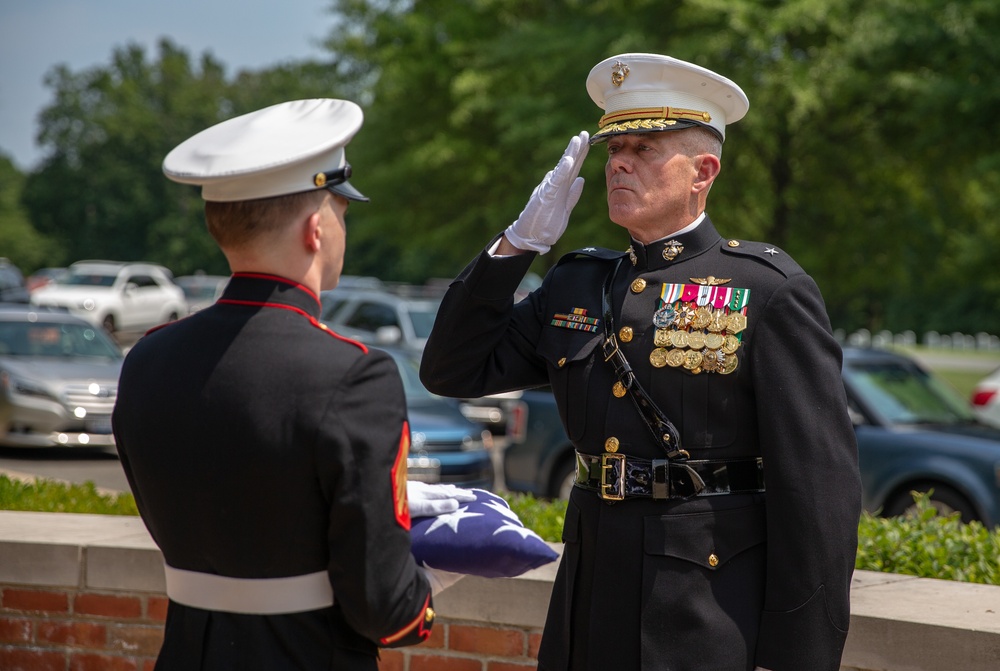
<point>372,316</point>
<point>52,339</point>
<point>142,281</point>
<point>330,306</point>
<point>906,395</point>
<point>409,371</point>
<point>88,279</point>
<point>422,315</point>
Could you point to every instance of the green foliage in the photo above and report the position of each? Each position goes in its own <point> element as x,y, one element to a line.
<point>924,545</point>
<point>48,496</point>
<point>19,241</point>
<point>928,545</point>
<point>545,518</point>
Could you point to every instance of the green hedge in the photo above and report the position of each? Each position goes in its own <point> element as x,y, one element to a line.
<point>924,545</point>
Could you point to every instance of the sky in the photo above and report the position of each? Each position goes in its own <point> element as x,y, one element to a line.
<point>36,35</point>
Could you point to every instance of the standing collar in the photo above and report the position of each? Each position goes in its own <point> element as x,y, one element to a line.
<point>262,289</point>
<point>675,248</point>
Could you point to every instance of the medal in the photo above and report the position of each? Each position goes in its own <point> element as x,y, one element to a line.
<point>661,338</point>
<point>696,340</point>
<point>675,358</point>
<point>664,317</point>
<point>658,357</point>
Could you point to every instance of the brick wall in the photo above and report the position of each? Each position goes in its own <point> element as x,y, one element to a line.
<point>69,630</point>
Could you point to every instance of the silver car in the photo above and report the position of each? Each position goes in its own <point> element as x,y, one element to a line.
<point>58,379</point>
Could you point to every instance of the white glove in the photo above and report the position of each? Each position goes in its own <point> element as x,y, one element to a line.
<point>428,500</point>
<point>438,579</point>
<point>546,215</point>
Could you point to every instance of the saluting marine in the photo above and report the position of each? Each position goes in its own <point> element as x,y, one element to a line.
<point>713,525</point>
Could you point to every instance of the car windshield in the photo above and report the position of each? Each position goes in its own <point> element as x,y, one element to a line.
<point>422,315</point>
<point>82,279</point>
<point>409,370</point>
<point>906,394</point>
<point>53,339</point>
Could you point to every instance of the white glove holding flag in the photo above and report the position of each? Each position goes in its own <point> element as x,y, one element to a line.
<point>428,500</point>
<point>546,215</point>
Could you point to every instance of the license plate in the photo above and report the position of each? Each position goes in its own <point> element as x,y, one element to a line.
<point>423,469</point>
<point>99,424</point>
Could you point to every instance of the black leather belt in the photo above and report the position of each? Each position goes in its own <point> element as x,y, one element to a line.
<point>616,476</point>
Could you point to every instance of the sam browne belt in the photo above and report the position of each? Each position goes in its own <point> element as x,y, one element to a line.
<point>615,476</point>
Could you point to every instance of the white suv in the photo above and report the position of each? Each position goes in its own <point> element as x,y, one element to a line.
<point>118,296</point>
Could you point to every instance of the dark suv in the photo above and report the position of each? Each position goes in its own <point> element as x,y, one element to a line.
<point>12,285</point>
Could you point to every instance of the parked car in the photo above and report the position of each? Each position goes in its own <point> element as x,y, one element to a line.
<point>200,291</point>
<point>118,296</point>
<point>986,399</point>
<point>45,276</point>
<point>445,446</point>
<point>915,433</point>
<point>380,317</point>
<point>58,379</point>
<point>12,285</point>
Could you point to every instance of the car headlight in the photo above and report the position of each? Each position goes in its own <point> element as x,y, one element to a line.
<point>18,385</point>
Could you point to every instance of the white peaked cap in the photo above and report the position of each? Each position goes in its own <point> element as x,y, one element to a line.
<point>286,148</point>
<point>643,93</point>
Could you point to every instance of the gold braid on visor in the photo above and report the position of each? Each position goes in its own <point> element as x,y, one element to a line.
<point>648,118</point>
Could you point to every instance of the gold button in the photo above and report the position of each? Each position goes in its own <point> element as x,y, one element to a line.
<point>734,243</point>
<point>713,560</point>
<point>638,285</point>
<point>625,334</point>
<point>611,444</point>
<point>562,362</point>
<point>618,390</point>
<point>429,615</point>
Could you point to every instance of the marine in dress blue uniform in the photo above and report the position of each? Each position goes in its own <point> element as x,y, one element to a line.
<point>266,453</point>
<point>723,537</point>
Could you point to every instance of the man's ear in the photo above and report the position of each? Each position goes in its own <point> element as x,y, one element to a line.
<point>312,232</point>
<point>708,167</point>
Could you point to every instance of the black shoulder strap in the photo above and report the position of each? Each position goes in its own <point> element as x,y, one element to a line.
<point>663,430</point>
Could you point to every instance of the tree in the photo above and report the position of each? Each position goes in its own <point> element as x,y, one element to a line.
<point>100,191</point>
<point>19,241</point>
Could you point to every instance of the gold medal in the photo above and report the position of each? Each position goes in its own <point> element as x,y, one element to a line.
<point>714,340</point>
<point>658,357</point>
<point>718,322</point>
<point>731,344</point>
<point>702,317</point>
<point>675,358</point>
<point>696,340</point>
<point>618,390</point>
<point>710,361</point>
<point>692,360</point>
<point>730,364</point>
<point>679,338</point>
<point>661,338</point>
<point>736,323</point>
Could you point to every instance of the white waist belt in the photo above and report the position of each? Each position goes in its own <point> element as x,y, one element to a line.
<point>252,596</point>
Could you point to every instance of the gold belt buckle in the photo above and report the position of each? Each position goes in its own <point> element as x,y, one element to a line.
<point>606,466</point>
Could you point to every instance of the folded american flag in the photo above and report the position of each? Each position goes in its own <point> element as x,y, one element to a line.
<point>483,537</point>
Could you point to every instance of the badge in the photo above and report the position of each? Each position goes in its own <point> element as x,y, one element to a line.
<point>664,317</point>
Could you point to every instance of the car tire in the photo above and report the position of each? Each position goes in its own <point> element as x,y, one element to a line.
<point>109,323</point>
<point>945,499</point>
<point>563,477</point>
